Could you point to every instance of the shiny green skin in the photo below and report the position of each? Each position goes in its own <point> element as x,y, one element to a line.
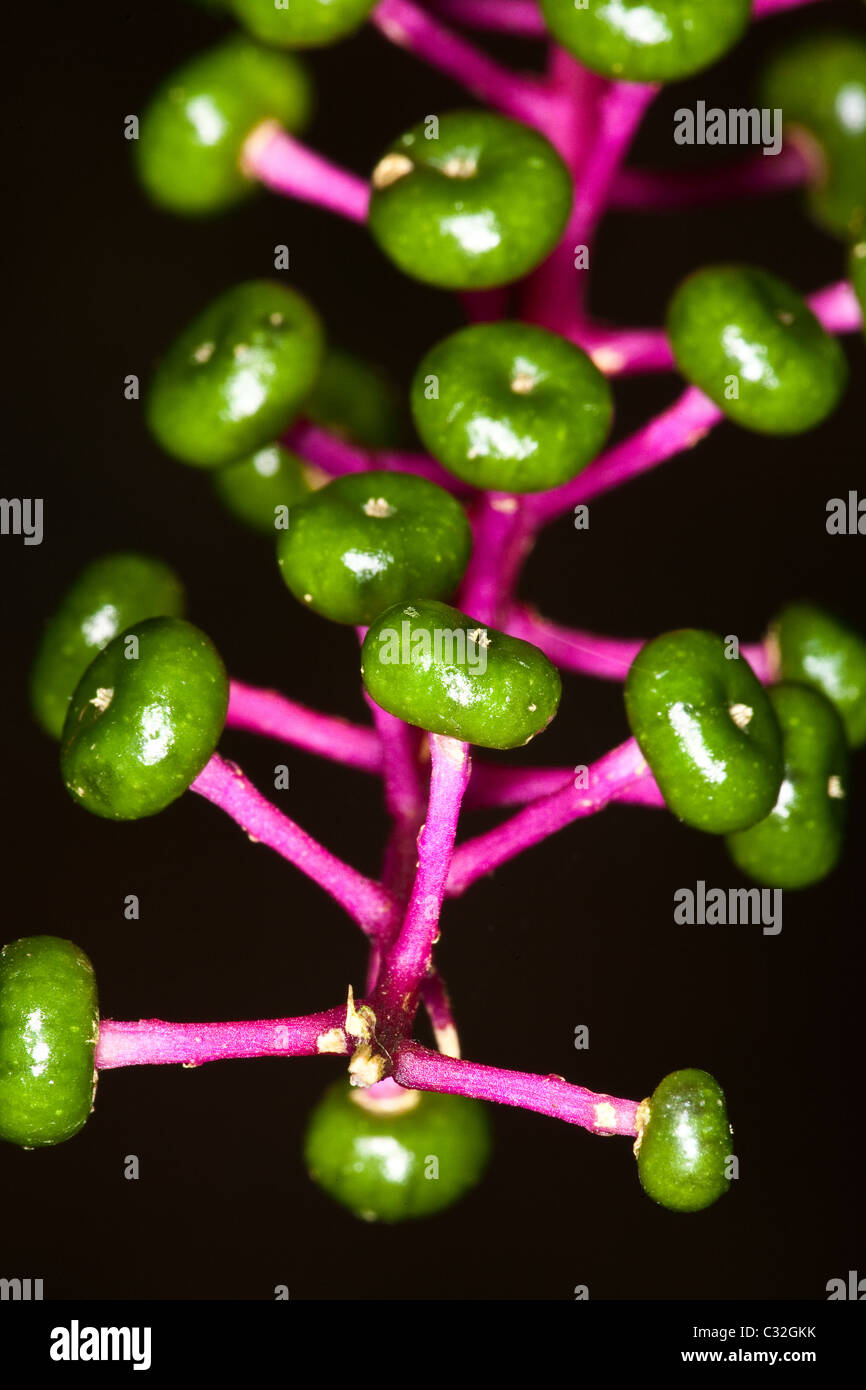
<point>164,714</point>
<point>188,154</point>
<point>376,1165</point>
<point>800,841</point>
<point>235,377</point>
<point>503,706</point>
<point>737,320</point>
<point>858,275</point>
<point>647,40</point>
<point>49,1025</point>
<point>819,84</point>
<point>818,649</point>
<point>686,1142</point>
<point>713,774</point>
<point>475,230</point>
<point>255,487</point>
<point>301,23</point>
<point>347,562</point>
<point>110,594</point>
<point>356,400</point>
<point>519,409</point>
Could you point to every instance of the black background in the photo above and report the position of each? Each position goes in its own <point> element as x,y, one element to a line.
<point>581,931</point>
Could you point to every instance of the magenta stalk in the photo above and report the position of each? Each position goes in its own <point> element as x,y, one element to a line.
<point>150,1041</point>
<point>520,17</point>
<point>338,456</point>
<point>422,1070</point>
<point>605,780</point>
<point>289,167</point>
<point>495,785</point>
<point>268,713</point>
<point>502,538</point>
<point>648,190</point>
<point>224,784</point>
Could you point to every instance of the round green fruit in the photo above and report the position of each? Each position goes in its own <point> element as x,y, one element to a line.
<point>819,83</point>
<point>49,1026</point>
<point>261,489</point>
<point>369,540</point>
<point>647,40</point>
<point>144,719</point>
<point>510,407</point>
<point>818,649</point>
<point>301,23</point>
<point>434,667</point>
<point>800,841</point>
<point>480,204</point>
<point>684,1143</point>
<point>399,1160</point>
<point>753,345</point>
<point>189,154</point>
<point>235,377</point>
<point>707,729</point>
<point>110,594</point>
<point>356,400</point>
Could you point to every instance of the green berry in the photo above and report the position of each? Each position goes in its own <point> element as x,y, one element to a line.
<point>110,594</point>
<point>800,841</point>
<point>49,1026</point>
<point>369,540</point>
<point>409,1157</point>
<point>476,201</point>
<point>510,407</point>
<point>858,275</point>
<point>301,23</point>
<point>235,377</point>
<point>818,649</point>
<point>707,730</point>
<point>436,668</point>
<point>356,400</point>
<point>261,489</point>
<point>684,1143</point>
<point>753,345</point>
<point>647,40</point>
<point>819,83</point>
<point>144,719</point>
<point>190,147</point>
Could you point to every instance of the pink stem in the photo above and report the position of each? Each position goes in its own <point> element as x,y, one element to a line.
<point>408,26</point>
<point>339,456</point>
<point>224,784</point>
<point>762,8</point>
<point>492,784</point>
<point>434,997</point>
<point>486,306</point>
<point>502,540</point>
<point>287,166</point>
<point>422,1070</point>
<point>149,1041</point>
<point>273,715</point>
<point>648,190</point>
<point>521,17</point>
<point>837,308</point>
<point>606,778</point>
<point>607,657</point>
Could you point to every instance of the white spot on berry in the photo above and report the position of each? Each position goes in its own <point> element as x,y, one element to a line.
<point>391,168</point>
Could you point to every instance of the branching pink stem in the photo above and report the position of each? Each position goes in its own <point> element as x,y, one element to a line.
<point>605,779</point>
<point>422,1070</point>
<point>150,1041</point>
<point>521,17</point>
<point>224,784</point>
<point>288,166</point>
<point>649,190</point>
<point>339,456</point>
<point>273,715</point>
<point>408,26</point>
<point>502,539</point>
<point>761,9</point>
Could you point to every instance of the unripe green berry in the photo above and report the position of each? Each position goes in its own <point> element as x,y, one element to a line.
<point>357,401</point>
<point>301,23</point>
<point>647,40</point>
<point>262,490</point>
<point>684,1144</point>
<point>818,649</point>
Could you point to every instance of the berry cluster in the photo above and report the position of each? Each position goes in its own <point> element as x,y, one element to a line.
<point>306,443</point>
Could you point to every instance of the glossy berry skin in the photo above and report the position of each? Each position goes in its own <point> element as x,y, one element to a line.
<point>108,595</point>
<point>647,40</point>
<point>235,377</point>
<point>49,1026</point>
<point>480,205</point>
<point>434,667</point>
<point>140,729</point>
<point>819,83</point>
<point>818,649</point>
<point>707,730</point>
<point>510,407</point>
<point>800,841</point>
<point>736,321</point>
<point>686,1141</point>
<point>301,23</point>
<point>857,270</point>
<point>382,1165</point>
<point>357,401</point>
<point>369,540</point>
<point>190,146</point>
<point>258,489</point>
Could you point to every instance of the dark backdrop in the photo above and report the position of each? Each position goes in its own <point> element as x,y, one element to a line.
<point>579,932</point>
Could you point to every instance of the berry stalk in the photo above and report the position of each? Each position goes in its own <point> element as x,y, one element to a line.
<point>151,1041</point>
<point>269,713</point>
